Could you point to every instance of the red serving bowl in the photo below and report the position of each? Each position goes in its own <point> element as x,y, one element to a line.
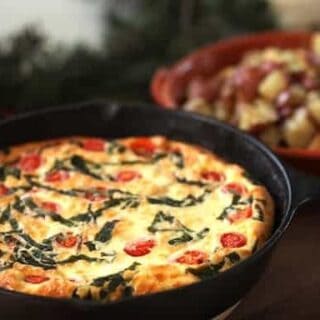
<point>169,84</point>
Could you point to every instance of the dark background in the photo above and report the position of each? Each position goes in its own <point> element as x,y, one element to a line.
<point>140,36</point>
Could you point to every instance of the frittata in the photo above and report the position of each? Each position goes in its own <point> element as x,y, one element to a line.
<point>106,219</point>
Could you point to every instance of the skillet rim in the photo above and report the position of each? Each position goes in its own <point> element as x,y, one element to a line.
<point>288,213</point>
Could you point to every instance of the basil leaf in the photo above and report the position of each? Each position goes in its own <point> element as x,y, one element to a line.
<point>82,166</point>
<point>6,171</point>
<point>115,147</point>
<point>236,204</point>
<point>158,219</point>
<point>188,201</point>
<point>105,233</point>
<point>177,159</point>
<point>207,271</point>
<point>233,257</point>
<point>83,257</point>
<point>185,237</point>
<point>191,182</point>
<point>90,245</point>
<point>5,215</point>
<point>100,282</point>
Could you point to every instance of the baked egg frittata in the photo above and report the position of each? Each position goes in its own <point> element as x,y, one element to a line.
<point>96,219</point>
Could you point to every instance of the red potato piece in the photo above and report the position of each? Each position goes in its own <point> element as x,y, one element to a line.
<point>310,82</point>
<point>268,66</point>
<point>246,81</point>
<point>207,89</point>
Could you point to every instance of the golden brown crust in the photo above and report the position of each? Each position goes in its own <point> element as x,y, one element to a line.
<point>98,219</point>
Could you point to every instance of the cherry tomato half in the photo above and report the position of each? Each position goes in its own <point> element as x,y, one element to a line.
<point>57,176</point>
<point>139,248</point>
<point>235,188</point>
<point>30,162</point>
<point>233,240</point>
<point>240,214</point>
<point>212,176</point>
<point>143,147</point>
<point>67,241</point>
<point>50,206</point>
<point>35,279</point>
<point>3,190</point>
<point>93,145</point>
<point>127,175</point>
<point>193,257</point>
<point>96,195</point>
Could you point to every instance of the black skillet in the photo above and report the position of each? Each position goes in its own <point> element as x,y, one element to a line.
<point>202,300</point>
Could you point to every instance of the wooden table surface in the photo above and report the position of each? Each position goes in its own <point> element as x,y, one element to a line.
<point>290,288</point>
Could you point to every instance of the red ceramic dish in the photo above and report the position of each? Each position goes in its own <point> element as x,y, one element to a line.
<point>169,84</point>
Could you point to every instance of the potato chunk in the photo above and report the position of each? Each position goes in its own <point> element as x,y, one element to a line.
<point>313,106</point>
<point>253,115</point>
<point>298,130</point>
<point>273,84</point>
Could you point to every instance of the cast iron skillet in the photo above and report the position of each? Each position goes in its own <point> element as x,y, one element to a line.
<point>198,301</point>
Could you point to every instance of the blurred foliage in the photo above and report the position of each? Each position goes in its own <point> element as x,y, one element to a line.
<point>140,35</point>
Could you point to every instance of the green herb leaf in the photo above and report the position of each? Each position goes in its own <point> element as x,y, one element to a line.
<point>177,159</point>
<point>115,147</point>
<point>6,171</point>
<point>81,165</point>
<point>105,233</point>
<point>207,271</point>
<point>83,257</point>
<point>191,182</point>
<point>233,257</point>
<point>5,215</point>
<point>188,201</point>
<point>185,237</point>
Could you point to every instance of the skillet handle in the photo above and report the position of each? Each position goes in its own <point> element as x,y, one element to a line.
<point>306,188</point>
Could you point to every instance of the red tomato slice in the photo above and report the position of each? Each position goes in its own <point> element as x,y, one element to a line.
<point>3,190</point>
<point>35,279</point>
<point>67,241</point>
<point>240,214</point>
<point>193,257</point>
<point>30,162</point>
<point>139,248</point>
<point>50,206</point>
<point>11,242</point>
<point>93,144</point>
<point>212,176</point>
<point>236,188</point>
<point>57,176</point>
<point>127,175</point>
<point>143,147</point>
<point>96,195</point>
<point>233,240</point>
